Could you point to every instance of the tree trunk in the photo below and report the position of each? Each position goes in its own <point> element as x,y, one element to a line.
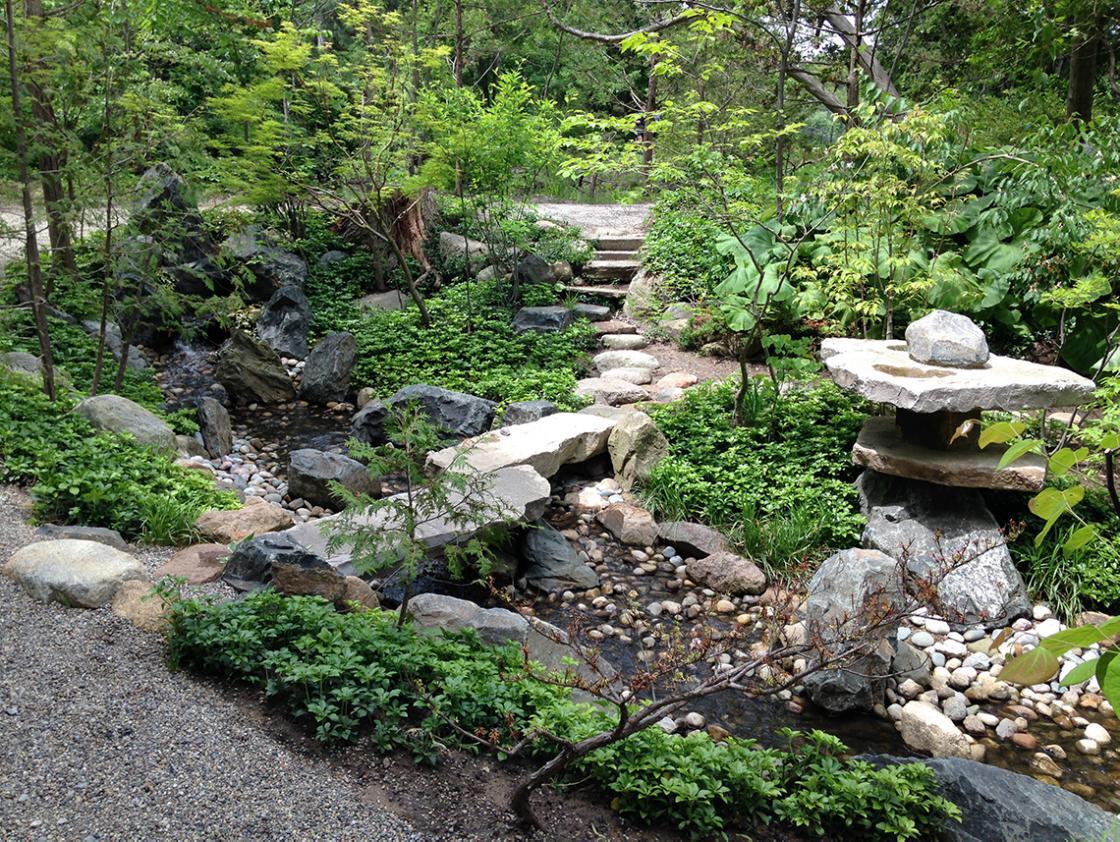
<point>649,107</point>
<point>34,272</point>
<point>1083,74</point>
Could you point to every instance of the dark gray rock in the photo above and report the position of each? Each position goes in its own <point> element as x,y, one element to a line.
<point>249,567</point>
<point>523,412</point>
<point>311,472</point>
<point>939,529</point>
<point>326,374</point>
<point>593,312</point>
<point>108,537</point>
<point>214,427</point>
<point>944,338</point>
<point>692,539</point>
<point>550,562</point>
<point>534,269</point>
<point>251,372</point>
<point>543,319</point>
<point>284,322</point>
<point>852,688</point>
<point>911,662</point>
<point>998,805</point>
<point>455,413</point>
<point>332,256</point>
<point>271,267</point>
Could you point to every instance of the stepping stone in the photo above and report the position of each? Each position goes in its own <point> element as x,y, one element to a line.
<point>592,312</point>
<point>624,359</point>
<point>615,326</point>
<point>637,376</point>
<point>611,391</point>
<point>619,291</point>
<point>624,341</point>
<point>616,242</point>
<point>611,270</point>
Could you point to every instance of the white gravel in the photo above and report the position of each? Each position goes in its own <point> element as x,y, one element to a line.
<point>98,741</point>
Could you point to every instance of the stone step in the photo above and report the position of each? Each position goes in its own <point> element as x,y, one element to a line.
<point>618,291</point>
<point>615,242</point>
<point>623,341</point>
<point>616,255</point>
<point>615,327</point>
<point>611,270</point>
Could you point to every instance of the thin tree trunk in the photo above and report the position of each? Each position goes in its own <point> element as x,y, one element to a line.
<point>34,271</point>
<point>107,279</point>
<point>649,107</point>
<point>1083,75</point>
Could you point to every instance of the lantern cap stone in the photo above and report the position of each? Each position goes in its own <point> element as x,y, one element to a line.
<point>948,339</point>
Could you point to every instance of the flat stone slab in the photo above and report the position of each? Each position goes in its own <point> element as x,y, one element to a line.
<point>883,372</point>
<point>880,446</point>
<point>611,390</point>
<point>545,444</point>
<point>514,493</point>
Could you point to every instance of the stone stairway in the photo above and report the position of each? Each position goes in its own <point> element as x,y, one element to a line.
<point>614,266</point>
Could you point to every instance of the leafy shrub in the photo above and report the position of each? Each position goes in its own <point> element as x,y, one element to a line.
<point>680,248</point>
<point>79,475</point>
<point>791,465</point>
<point>359,675</point>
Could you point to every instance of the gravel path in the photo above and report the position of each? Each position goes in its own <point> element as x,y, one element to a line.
<point>98,741</point>
<point>595,220</point>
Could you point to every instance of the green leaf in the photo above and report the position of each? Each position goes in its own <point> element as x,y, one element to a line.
<point>1079,538</point>
<point>1108,676</point>
<point>1080,673</point>
<point>1001,432</point>
<point>1076,638</point>
<point>1066,458</point>
<point>1032,667</point>
<point>1018,451</point>
<point>1110,628</point>
<point>1050,504</point>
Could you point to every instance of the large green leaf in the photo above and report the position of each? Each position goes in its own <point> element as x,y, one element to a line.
<point>1075,638</point>
<point>1032,667</point>
<point>1001,432</point>
<point>1082,672</point>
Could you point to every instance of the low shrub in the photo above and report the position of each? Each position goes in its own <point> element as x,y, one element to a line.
<point>781,485</point>
<point>78,475</point>
<point>680,248</point>
<point>352,676</point>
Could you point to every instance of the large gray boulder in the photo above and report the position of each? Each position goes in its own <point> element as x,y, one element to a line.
<point>551,564</point>
<point>854,687</point>
<point>636,445</point>
<point>311,472</point>
<point>534,269</point>
<point>326,374</point>
<point>610,391</point>
<point>120,415</point>
<point>22,364</point>
<point>455,248</point>
<point>271,267</point>
<point>214,427</point>
<point>543,319</point>
<point>948,538</point>
<point>251,372</point>
<point>944,338</point>
<point>73,572</point>
<point>998,805</point>
<point>108,537</point>
<point>249,567</point>
<point>454,413</point>
<point>693,539</point>
<point>284,322</point>
<point>495,626</point>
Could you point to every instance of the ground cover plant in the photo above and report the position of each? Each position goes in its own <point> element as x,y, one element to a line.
<point>779,484</point>
<point>79,475</point>
<point>361,676</point>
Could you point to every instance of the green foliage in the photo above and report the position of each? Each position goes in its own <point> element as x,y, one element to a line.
<point>783,476</point>
<point>359,675</point>
<point>680,248</point>
<point>479,354</point>
<point>79,475</point>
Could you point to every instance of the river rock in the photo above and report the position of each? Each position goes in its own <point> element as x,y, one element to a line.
<point>543,319</point>
<point>272,267</point>
<point>326,374</point>
<point>120,415</point>
<point>524,412</point>
<point>76,573</point>
<point>935,528</point>
<point>545,444</point>
<point>927,729</point>
<point>251,372</point>
<point>214,427</point>
<point>624,341</point>
<point>284,322</point>
<point>311,472</point>
<point>610,391</point>
<point>230,526</point>
<point>534,269</point>
<point>455,413</point>
<point>944,338</point>
<point>108,537</point>
<point>607,360</point>
<point>636,445</point>
<point>692,538</point>
<point>725,572</point>
<point>630,524</point>
<point>637,376</point>
<point>998,805</point>
<point>551,564</point>
<point>138,603</point>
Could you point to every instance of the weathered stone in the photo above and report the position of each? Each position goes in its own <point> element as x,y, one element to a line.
<point>394,299</point>
<point>855,687</point>
<point>227,527</point>
<point>607,360</point>
<point>251,372</point>
<point>23,364</point>
<point>944,338</point>
<point>677,380</point>
<point>456,248</point>
<point>198,564</point>
<point>550,562</point>
<point>108,537</point>
<point>137,602</point>
<point>882,448</point>
<point>524,412</point>
<point>882,372</point>
<point>642,299</point>
<point>949,538</point>
<point>120,415</point>
<point>624,341</point>
<point>610,391</point>
<point>628,523</point>
<point>358,591</point>
<point>76,573</point>
<point>114,342</point>
<point>637,376</point>
<point>272,268</point>
<point>927,729</point>
<point>543,319</point>
<point>251,565</point>
<point>311,472</point>
<point>593,312</point>
<point>998,805</point>
<point>911,663</point>
<point>725,572</point>
<point>455,413</point>
<point>636,445</point>
<point>534,269</point>
<point>305,574</point>
<point>495,626</point>
<point>851,589</point>
<point>692,538</point>
<point>545,444</point>
<point>326,374</point>
<point>331,257</point>
<point>284,321</point>
<point>214,426</point>
<point>611,413</point>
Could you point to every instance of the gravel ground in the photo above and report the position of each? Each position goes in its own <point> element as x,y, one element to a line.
<point>98,741</point>
<point>594,220</point>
